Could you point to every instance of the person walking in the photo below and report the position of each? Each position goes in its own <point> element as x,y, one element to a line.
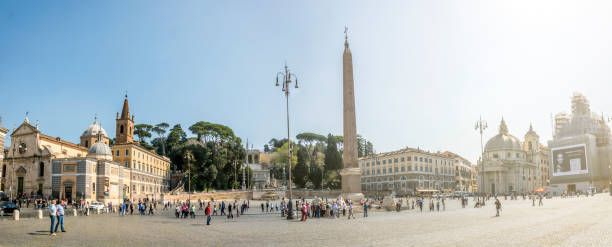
<point>208,216</point>
<point>52,215</point>
<point>540,203</point>
<point>351,211</point>
<point>497,207</point>
<point>60,217</point>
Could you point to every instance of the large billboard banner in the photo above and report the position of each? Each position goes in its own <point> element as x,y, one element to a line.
<point>569,160</point>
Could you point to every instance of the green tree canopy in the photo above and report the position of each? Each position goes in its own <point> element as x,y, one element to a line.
<point>315,174</point>
<point>309,140</point>
<point>333,159</point>
<point>300,172</point>
<point>160,130</point>
<point>143,131</point>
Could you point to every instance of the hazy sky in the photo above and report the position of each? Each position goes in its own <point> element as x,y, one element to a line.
<point>424,70</point>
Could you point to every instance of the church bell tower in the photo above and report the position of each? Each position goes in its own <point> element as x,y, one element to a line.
<point>125,125</point>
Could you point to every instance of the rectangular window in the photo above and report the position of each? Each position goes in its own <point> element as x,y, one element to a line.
<point>409,168</point>
<point>118,154</point>
<point>394,160</point>
<point>420,159</point>
<point>69,168</point>
<point>390,170</point>
<point>402,159</point>
<point>403,168</point>
<point>396,169</point>
<point>127,152</point>
<point>384,161</point>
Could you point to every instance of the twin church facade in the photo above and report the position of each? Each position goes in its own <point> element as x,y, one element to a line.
<point>36,164</point>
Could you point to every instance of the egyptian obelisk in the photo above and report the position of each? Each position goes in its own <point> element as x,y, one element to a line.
<point>351,174</point>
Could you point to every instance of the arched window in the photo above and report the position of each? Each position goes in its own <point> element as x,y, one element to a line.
<point>86,144</point>
<point>121,129</point>
<point>41,169</point>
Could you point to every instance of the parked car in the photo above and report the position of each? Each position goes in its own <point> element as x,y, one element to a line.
<point>8,207</point>
<point>96,206</point>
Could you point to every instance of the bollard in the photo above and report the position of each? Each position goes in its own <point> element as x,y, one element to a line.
<point>40,214</point>
<point>87,212</point>
<point>16,215</point>
<point>74,212</point>
<point>98,211</point>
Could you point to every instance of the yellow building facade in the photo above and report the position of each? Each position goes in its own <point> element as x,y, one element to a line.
<point>150,172</point>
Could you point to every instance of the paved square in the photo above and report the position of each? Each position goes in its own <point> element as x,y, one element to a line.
<point>560,222</point>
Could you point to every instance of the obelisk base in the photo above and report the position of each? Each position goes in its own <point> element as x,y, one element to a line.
<point>351,184</point>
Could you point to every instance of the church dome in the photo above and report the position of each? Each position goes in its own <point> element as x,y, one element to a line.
<point>100,151</point>
<point>503,140</point>
<point>94,129</point>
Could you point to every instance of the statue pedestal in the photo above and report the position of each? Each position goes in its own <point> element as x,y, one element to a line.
<point>351,184</point>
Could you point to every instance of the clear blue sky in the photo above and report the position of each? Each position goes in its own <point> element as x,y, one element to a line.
<point>424,70</point>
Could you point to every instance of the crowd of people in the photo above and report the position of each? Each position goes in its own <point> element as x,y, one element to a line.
<point>303,208</point>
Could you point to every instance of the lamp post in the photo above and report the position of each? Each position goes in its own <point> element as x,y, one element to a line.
<point>188,157</point>
<point>13,172</point>
<point>610,169</point>
<point>481,126</point>
<point>244,167</point>
<point>286,81</point>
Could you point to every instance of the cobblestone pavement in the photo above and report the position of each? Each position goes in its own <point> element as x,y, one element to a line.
<point>560,222</point>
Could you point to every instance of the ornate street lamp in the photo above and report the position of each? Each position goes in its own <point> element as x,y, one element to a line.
<point>286,81</point>
<point>481,125</point>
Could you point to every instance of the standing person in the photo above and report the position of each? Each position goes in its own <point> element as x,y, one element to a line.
<point>533,201</point>
<point>443,204</point>
<point>365,209</point>
<point>229,211</point>
<point>52,215</point>
<point>192,211</point>
<point>497,207</point>
<point>207,212</point>
<point>151,209</point>
<point>303,210</point>
<point>223,208</point>
<point>262,207</point>
<point>60,217</point>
